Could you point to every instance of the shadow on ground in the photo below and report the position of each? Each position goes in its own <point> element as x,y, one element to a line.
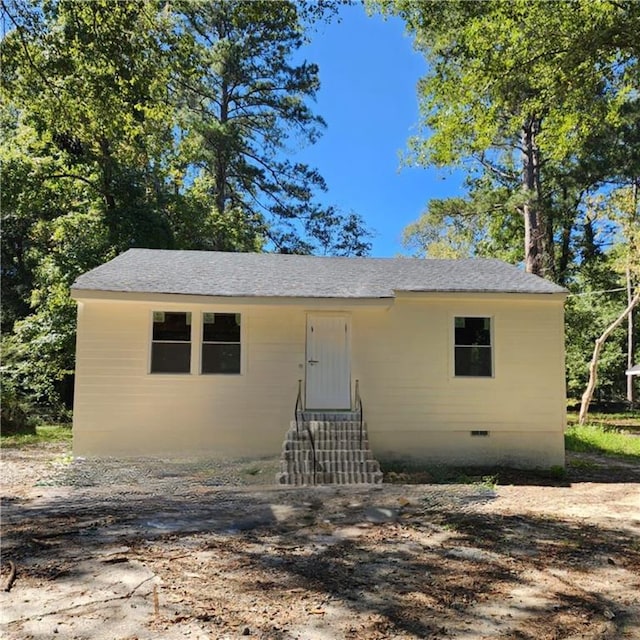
<point>332,562</point>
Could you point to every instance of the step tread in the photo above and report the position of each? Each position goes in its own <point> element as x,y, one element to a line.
<point>341,448</point>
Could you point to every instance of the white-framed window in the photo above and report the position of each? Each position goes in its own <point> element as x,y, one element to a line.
<point>221,343</point>
<point>473,352</point>
<point>171,342</point>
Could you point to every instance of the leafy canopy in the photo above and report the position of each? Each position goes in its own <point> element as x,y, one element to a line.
<point>137,123</point>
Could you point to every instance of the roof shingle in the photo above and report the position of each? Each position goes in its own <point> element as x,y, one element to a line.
<point>216,273</point>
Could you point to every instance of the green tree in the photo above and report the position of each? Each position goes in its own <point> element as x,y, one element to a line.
<point>89,80</point>
<point>622,206</point>
<point>609,255</point>
<point>137,123</point>
<point>487,222</point>
<point>480,224</point>
<point>539,100</point>
<point>244,106</point>
<point>85,129</point>
<point>523,88</point>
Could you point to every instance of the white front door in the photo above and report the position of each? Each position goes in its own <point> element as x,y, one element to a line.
<point>328,362</point>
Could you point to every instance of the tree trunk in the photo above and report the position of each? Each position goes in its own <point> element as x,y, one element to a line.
<point>631,396</point>
<point>593,365</point>
<point>544,214</point>
<point>533,258</point>
<point>568,218</point>
<point>106,166</point>
<point>221,169</point>
<point>221,154</point>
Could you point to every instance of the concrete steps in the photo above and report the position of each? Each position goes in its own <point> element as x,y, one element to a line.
<point>341,456</point>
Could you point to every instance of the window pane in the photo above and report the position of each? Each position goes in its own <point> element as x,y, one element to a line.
<point>220,358</point>
<point>168,325</point>
<point>473,361</point>
<point>471,331</point>
<point>170,358</point>
<point>221,327</point>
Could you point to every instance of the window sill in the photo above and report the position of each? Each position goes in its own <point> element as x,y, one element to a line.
<point>473,377</point>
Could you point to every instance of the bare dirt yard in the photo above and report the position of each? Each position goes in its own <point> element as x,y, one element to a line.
<point>168,549</point>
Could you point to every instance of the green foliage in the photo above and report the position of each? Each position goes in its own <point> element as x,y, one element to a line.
<point>417,472</point>
<point>495,63</point>
<point>15,417</point>
<point>538,97</point>
<point>586,316</point>
<point>626,421</point>
<point>242,106</point>
<point>538,101</point>
<point>595,439</point>
<point>481,224</point>
<point>610,251</point>
<point>142,124</point>
<point>38,356</point>
<point>556,472</point>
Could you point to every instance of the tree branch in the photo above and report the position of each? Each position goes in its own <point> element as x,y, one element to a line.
<point>593,365</point>
<point>23,42</point>
<point>73,176</point>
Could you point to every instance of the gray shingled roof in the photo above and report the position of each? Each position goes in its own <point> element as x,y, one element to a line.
<point>214,273</point>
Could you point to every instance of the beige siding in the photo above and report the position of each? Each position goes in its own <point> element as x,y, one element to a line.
<point>419,408</point>
<point>402,353</point>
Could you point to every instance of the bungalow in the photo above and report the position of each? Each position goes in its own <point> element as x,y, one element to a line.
<point>213,353</point>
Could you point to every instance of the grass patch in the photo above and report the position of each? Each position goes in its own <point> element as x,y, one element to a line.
<point>601,439</point>
<point>627,421</point>
<point>44,434</point>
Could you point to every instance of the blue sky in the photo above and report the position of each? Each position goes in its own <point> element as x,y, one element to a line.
<point>369,71</point>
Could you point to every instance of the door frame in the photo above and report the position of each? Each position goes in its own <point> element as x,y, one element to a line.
<point>310,317</point>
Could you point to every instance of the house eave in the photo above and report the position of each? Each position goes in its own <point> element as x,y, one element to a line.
<point>179,298</point>
<point>555,296</point>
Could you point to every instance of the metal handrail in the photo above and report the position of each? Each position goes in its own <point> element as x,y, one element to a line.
<point>299,414</point>
<point>357,401</point>
<point>298,408</point>
<point>314,459</point>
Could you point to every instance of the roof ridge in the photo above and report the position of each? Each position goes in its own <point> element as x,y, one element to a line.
<point>317,257</point>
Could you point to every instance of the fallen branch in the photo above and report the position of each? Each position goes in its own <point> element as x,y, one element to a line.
<point>12,576</point>
<point>91,604</point>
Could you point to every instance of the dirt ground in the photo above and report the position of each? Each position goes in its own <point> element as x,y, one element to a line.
<point>111,549</point>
